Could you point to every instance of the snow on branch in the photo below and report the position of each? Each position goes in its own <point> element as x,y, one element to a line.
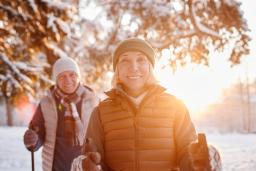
<point>46,79</point>
<point>28,88</point>
<point>160,8</point>
<point>33,5</point>
<point>2,77</point>
<point>57,4</point>
<point>230,2</point>
<point>26,67</point>
<point>14,12</point>
<point>169,37</point>
<point>13,81</point>
<point>59,52</point>
<point>15,69</point>
<point>52,21</point>
<point>198,25</point>
<point>183,34</point>
<point>64,26</point>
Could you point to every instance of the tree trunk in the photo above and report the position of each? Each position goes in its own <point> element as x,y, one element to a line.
<point>243,105</point>
<point>248,97</point>
<point>9,112</point>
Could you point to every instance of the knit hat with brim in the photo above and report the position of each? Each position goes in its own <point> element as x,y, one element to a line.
<point>134,44</point>
<point>64,64</point>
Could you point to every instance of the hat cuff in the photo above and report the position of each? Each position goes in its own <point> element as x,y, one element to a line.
<point>134,44</point>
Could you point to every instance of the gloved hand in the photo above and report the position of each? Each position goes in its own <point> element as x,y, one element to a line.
<point>87,162</point>
<point>30,139</point>
<point>92,161</point>
<point>199,155</point>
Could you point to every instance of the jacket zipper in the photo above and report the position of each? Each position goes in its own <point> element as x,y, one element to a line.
<point>136,141</point>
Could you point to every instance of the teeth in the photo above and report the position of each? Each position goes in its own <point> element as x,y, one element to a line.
<point>134,77</point>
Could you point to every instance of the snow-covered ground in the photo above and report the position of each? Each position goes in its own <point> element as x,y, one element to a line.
<point>238,151</point>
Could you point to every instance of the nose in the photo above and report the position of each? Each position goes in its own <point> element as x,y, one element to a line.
<point>67,80</point>
<point>134,66</point>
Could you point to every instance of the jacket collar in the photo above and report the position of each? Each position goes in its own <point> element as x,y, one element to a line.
<point>152,91</point>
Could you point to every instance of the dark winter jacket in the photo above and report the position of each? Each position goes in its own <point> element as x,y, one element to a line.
<point>155,136</point>
<point>48,121</point>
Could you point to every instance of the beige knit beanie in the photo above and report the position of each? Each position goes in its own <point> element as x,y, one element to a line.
<point>133,44</point>
<point>64,64</point>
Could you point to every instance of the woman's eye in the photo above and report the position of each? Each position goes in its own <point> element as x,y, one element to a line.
<point>124,61</point>
<point>142,60</point>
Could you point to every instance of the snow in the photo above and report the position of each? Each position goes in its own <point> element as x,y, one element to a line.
<point>14,155</point>
<point>54,21</point>
<point>33,5</point>
<point>15,12</point>
<point>26,67</point>
<point>230,2</point>
<point>13,81</point>
<point>57,50</point>
<point>51,24</point>
<point>202,27</point>
<point>3,77</point>
<point>23,77</point>
<point>237,151</point>
<point>57,4</point>
<point>64,26</point>
<point>161,8</point>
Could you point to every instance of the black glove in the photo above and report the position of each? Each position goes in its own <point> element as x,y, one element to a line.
<point>30,139</point>
<point>199,155</point>
<point>93,158</point>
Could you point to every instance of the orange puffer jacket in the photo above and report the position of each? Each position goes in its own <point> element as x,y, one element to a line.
<point>153,137</point>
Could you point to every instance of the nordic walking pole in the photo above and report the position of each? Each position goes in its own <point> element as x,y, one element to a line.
<point>36,129</point>
<point>32,160</point>
<point>203,143</point>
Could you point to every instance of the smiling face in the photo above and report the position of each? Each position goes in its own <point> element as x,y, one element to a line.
<point>133,72</point>
<point>68,81</point>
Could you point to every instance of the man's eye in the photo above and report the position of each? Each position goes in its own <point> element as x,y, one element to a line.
<point>61,78</point>
<point>72,75</point>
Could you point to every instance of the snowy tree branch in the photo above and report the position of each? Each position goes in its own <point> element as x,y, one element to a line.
<point>15,69</point>
<point>15,13</point>
<point>168,38</point>
<point>199,27</point>
<point>33,5</point>
<point>59,52</point>
<point>57,4</point>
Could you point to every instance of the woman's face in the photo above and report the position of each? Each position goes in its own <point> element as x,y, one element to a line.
<point>68,81</point>
<point>133,72</point>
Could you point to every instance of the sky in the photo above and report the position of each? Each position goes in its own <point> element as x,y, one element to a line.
<point>199,86</point>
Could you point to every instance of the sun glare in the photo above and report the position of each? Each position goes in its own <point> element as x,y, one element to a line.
<point>196,85</point>
<point>191,86</point>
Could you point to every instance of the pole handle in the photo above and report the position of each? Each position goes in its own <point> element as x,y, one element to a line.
<point>203,144</point>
